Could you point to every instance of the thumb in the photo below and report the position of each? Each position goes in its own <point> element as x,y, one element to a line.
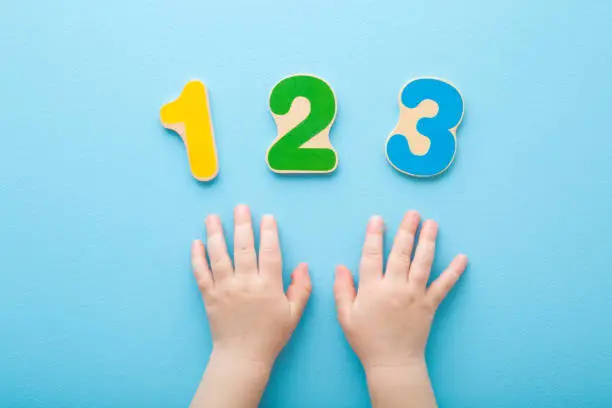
<point>299,291</point>
<point>344,292</point>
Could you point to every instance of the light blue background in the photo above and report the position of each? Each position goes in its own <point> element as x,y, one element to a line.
<point>98,307</point>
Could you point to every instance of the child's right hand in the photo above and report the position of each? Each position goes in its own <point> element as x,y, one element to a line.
<point>387,322</point>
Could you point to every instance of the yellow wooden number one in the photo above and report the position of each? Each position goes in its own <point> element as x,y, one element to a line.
<point>189,116</point>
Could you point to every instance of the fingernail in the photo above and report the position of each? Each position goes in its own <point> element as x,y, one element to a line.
<point>375,224</point>
<point>431,225</point>
<point>413,218</point>
<point>267,221</point>
<point>301,270</point>
<point>242,209</point>
<point>212,220</point>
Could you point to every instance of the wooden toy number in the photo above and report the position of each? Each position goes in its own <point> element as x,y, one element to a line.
<point>304,108</point>
<point>423,143</point>
<point>189,116</point>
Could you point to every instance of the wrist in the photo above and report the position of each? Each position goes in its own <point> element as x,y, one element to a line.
<point>400,385</point>
<point>240,365</point>
<point>408,367</point>
<point>231,380</point>
<point>404,361</point>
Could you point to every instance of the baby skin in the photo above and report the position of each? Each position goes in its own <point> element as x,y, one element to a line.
<point>386,319</point>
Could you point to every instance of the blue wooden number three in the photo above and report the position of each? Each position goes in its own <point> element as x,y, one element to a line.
<point>423,143</point>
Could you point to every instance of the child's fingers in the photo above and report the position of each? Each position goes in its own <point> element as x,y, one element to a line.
<point>423,256</point>
<point>244,243</point>
<point>200,266</point>
<point>371,265</point>
<point>299,291</point>
<point>220,261</point>
<point>344,292</point>
<point>440,287</point>
<point>399,258</point>
<point>270,259</point>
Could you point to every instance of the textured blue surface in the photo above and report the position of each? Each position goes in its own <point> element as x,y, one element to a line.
<point>97,303</point>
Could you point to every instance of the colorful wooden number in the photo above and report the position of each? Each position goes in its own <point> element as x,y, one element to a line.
<point>424,141</point>
<point>304,108</point>
<point>189,116</point>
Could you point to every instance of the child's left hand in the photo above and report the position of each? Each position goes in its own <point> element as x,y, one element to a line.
<point>250,316</point>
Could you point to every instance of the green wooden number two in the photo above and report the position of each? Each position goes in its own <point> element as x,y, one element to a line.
<point>304,108</point>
